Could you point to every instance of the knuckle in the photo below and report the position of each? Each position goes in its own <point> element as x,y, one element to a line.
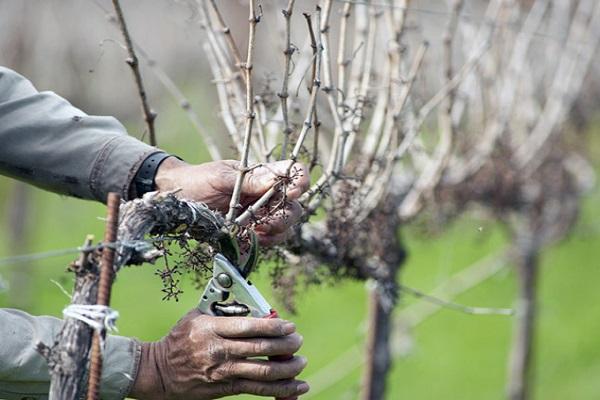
<point>195,329</point>
<point>224,372</point>
<point>260,346</point>
<point>207,324</point>
<point>241,324</point>
<point>264,371</point>
<point>207,373</point>
<point>216,350</point>
<point>213,376</point>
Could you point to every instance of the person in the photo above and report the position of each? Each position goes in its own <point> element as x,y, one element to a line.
<point>49,143</point>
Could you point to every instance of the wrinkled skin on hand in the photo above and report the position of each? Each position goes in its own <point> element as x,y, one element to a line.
<point>213,182</point>
<point>206,357</point>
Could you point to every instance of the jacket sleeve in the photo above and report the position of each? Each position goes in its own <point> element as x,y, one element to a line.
<point>24,373</point>
<point>47,142</point>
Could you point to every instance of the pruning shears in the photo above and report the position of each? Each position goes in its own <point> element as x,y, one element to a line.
<point>227,282</point>
<point>229,293</point>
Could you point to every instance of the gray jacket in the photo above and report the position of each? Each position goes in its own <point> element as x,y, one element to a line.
<point>47,142</point>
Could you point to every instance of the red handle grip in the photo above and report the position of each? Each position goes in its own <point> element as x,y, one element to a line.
<point>283,357</point>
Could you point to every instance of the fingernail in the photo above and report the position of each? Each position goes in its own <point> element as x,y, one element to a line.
<point>303,387</point>
<point>289,328</point>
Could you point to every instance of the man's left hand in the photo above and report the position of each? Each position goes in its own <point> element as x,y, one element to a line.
<point>212,183</point>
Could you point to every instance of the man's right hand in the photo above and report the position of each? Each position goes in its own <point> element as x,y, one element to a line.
<point>206,357</point>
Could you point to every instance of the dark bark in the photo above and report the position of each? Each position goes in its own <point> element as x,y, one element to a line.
<point>157,214</point>
<point>378,357</point>
<point>520,375</point>
<point>68,356</point>
<point>389,250</point>
<point>163,213</point>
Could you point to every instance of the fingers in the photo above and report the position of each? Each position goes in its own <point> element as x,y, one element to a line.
<point>281,220</point>
<point>299,181</point>
<point>276,389</point>
<point>259,347</point>
<point>261,179</point>
<point>241,327</point>
<point>268,371</point>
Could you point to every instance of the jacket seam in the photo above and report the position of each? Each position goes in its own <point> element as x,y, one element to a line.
<point>99,165</point>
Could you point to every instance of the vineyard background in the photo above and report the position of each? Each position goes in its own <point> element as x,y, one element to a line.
<point>450,355</point>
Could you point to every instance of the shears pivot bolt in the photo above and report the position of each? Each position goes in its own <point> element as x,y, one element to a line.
<point>224,280</point>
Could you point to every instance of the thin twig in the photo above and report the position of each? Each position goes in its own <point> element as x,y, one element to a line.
<point>226,110</point>
<point>376,182</point>
<point>569,76</point>
<point>229,92</point>
<point>507,97</point>
<point>235,52</point>
<point>330,90</point>
<point>184,103</point>
<point>316,85</point>
<point>251,210</point>
<point>357,116</point>
<point>341,56</point>
<point>174,91</point>
<point>284,94</point>
<point>432,171</point>
<point>364,33</point>
<point>132,61</point>
<point>234,204</point>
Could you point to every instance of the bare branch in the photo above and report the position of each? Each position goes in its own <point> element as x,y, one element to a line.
<point>508,95</point>
<point>229,92</point>
<point>572,68</point>
<point>132,61</point>
<point>234,204</point>
<point>284,94</point>
<point>432,172</point>
<point>305,127</point>
<point>174,91</point>
<point>226,110</point>
<point>177,94</point>
<point>342,63</point>
<point>376,183</point>
<point>235,52</point>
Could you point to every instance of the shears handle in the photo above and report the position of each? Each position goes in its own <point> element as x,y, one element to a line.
<point>284,357</point>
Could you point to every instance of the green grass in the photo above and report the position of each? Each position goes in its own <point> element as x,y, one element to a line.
<point>453,355</point>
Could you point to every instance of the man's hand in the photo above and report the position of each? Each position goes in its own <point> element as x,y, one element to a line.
<point>211,357</point>
<point>213,182</point>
